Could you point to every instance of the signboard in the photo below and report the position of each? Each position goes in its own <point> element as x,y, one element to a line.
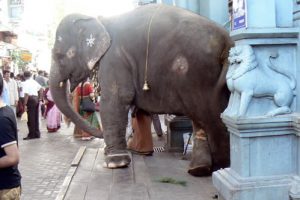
<point>26,56</point>
<point>239,14</point>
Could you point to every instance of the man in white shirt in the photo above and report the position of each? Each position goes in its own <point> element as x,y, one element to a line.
<point>13,90</point>
<point>32,92</point>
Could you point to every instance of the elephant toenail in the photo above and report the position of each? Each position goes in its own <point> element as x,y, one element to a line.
<point>123,163</point>
<point>112,165</point>
<point>105,165</point>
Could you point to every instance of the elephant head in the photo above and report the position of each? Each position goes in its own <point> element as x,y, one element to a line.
<point>80,43</point>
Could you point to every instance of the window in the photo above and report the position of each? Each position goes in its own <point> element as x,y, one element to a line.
<point>15,9</point>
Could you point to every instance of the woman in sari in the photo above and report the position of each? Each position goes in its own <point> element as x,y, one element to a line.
<point>52,114</point>
<point>87,91</point>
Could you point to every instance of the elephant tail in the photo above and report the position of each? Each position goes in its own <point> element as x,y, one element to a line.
<point>221,92</point>
<point>225,66</point>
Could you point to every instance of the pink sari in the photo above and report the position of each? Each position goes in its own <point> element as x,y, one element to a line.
<point>53,115</point>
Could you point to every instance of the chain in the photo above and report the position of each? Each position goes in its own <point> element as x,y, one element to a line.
<point>94,77</point>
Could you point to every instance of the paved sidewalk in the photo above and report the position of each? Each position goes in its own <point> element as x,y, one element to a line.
<point>46,161</point>
<point>45,164</point>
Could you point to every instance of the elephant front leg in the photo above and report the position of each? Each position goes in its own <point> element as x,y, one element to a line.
<point>201,163</point>
<point>114,121</point>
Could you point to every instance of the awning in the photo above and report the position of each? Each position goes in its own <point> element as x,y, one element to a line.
<point>4,28</point>
<point>8,46</point>
<point>4,49</point>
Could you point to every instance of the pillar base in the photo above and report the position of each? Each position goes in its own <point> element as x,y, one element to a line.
<point>231,186</point>
<point>295,190</point>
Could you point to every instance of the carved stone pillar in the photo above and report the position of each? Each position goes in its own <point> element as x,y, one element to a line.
<point>264,131</point>
<point>262,121</point>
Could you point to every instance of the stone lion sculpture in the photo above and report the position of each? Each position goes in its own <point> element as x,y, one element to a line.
<point>247,79</point>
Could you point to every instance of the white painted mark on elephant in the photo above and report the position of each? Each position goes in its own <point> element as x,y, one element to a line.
<point>201,135</point>
<point>90,41</point>
<point>71,52</point>
<point>114,88</point>
<point>180,65</point>
<point>59,38</point>
<point>92,63</point>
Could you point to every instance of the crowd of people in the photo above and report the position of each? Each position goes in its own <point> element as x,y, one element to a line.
<point>29,94</point>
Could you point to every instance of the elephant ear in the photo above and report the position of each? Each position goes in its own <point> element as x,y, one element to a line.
<point>94,41</point>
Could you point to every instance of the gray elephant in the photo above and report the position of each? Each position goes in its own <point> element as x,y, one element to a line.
<point>159,58</point>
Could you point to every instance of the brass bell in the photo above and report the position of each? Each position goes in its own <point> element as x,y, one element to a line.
<point>146,86</point>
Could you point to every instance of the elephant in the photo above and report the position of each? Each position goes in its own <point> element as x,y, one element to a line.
<point>158,58</point>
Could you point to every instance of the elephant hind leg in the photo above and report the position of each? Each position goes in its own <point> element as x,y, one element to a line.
<point>201,163</point>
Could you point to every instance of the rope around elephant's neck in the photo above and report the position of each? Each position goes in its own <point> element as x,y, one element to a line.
<point>146,85</point>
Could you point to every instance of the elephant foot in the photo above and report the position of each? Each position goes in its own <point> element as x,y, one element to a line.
<point>200,171</point>
<point>120,160</point>
<point>201,162</point>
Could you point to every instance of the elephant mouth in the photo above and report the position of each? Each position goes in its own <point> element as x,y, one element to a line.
<point>73,82</point>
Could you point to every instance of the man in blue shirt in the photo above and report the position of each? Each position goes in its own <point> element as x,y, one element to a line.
<point>5,94</point>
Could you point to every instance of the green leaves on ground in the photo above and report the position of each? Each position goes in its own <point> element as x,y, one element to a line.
<point>171,181</point>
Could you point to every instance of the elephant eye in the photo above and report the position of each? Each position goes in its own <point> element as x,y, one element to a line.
<point>59,56</point>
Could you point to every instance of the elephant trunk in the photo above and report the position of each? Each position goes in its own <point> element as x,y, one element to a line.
<point>60,94</point>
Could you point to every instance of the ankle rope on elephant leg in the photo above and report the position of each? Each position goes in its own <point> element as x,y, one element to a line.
<point>201,135</point>
<point>117,154</point>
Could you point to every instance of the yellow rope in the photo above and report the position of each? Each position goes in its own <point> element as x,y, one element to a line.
<point>146,85</point>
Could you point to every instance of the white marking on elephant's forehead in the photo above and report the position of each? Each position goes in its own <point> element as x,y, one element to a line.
<point>180,65</point>
<point>91,63</point>
<point>114,88</point>
<point>59,38</point>
<point>71,52</point>
<point>90,41</point>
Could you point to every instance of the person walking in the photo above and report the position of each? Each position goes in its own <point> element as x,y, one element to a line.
<point>84,90</point>
<point>42,80</point>
<point>52,113</point>
<point>32,93</point>
<point>141,141</point>
<point>5,93</point>
<point>10,184</point>
<point>13,89</point>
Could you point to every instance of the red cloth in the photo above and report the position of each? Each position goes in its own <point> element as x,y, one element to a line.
<point>87,89</point>
<point>142,138</point>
